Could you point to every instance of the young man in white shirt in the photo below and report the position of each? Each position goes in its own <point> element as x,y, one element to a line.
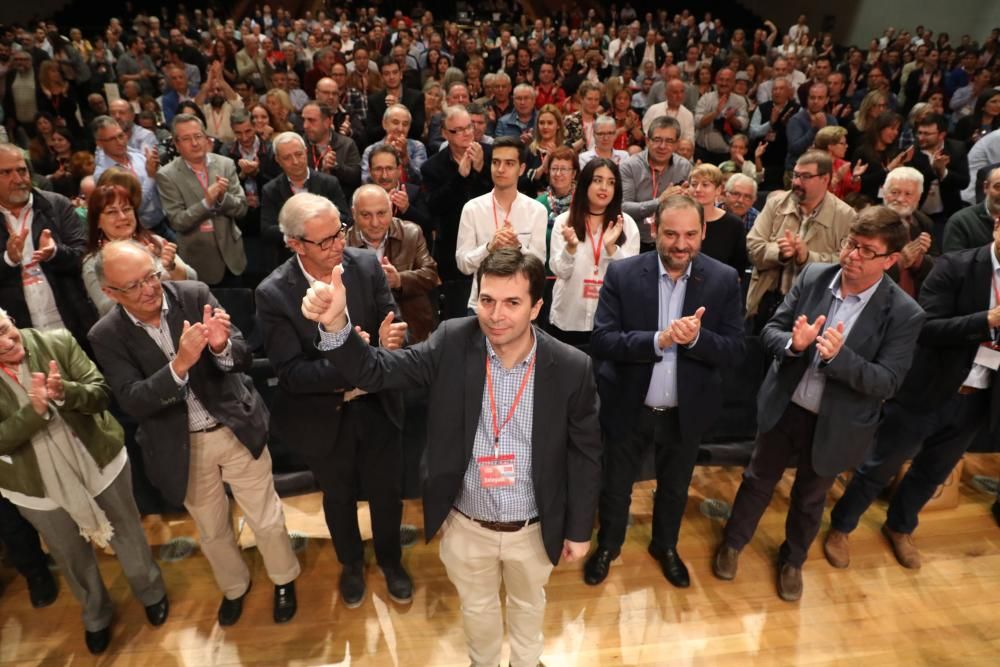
<point>502,218</point>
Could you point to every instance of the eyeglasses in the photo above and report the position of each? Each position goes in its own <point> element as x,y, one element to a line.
<point>662,141</point>
<point>116,212</point>
<point>850,245</point>
<point>803,176</point>
<point>118,137</point>
<point>604,134</point>
<point>190,138</point>
<point>327,243</point>
<point>561,170</point>
<point>459,130</point>
<point>133,289</point>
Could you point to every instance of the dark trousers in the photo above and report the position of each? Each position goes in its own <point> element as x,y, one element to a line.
<point>455,298</point>
<point>578,339</point>
<point>674,464</point>
<point>365,461</point>
<point>945,433</point>
<point>24,549</point>
<point>791,436</point>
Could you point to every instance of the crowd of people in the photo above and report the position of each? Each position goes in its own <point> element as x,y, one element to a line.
<point>655,193</point>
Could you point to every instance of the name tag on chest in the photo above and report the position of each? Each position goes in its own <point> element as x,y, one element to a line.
<point>496,471</point>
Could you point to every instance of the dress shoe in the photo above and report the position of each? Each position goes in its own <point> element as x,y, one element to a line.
<point>97,642</point>
<point>903,547</point>
<point>726,560</point>
<point>789,582</point>
<point>352,584</point>
<point>673,567</point>
<point>42,589</point>
<point>285,604</point>
<point>996,512</point>
<point>156,613</point>
<point>231,610</point>
<point>398,583</point>
<point>595,570</point>
<point>836,549</point>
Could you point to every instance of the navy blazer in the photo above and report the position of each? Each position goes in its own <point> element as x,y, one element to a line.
<point>565,435</point>
<point>627,321</point>
<point>305,410</point>
<point>867,371</point>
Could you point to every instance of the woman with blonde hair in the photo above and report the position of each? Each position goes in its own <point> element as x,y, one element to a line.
<point>580,124</point>
<point>725,236</point>
<point>844,179</point>
<point>57,97</point>
<point>282,111</point>
<point>872,106</point>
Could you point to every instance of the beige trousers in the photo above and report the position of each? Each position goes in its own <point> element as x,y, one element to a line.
<point>477,561</point>
<point>217,457</point>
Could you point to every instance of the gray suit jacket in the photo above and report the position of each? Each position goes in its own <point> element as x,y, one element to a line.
<point>208,238</point>
<point>138,373</point>
<point>868,370</point>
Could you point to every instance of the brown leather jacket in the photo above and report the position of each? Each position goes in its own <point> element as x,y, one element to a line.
<point>406,249</point>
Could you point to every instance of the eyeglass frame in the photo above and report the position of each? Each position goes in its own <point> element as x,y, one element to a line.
<point>327,243</point>
<point>864,253</point>
<point>136,287</point>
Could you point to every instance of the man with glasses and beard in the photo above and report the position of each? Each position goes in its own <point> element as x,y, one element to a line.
<point>901,192</point>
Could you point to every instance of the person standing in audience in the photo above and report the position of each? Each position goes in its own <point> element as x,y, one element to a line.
<point>947,399</point>
<point>740,193</point>
<point>943,162</point>
<point>520,122</point>
<point>202,200</point>
<point>674,107</point>
<point>604,140</point>
<point>394,93</point>
<point>594,220</point>
<point>845,178</point>
<point>255,166</point>
<point>725,236</point>
<point>402,250</point>
<point>769,126</point>
<point>651,176</point>
<point>350,439</point>
<point>451,178</point>
<point>841,343</point>
<point>513,458</point>
<point>580,124</point>
<point>329,151</point>
<point>396,122</point>
<point>810,119</point>
<point>666,323</point>
<point>719,115</point>
<point>43,241</point>
<point>806,224</point>
<point>386,171</point>
<point>502,218</point>
<point>970,227</point>
<point>901,193</point>
<point>175,363</point>
<point>66,470</point>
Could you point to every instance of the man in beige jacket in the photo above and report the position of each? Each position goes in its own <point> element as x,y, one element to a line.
<point>806,224</point>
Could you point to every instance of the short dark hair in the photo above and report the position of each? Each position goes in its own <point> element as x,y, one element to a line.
<point>385,62</point>
<point>934,119</point>
<point>384,149</point>
<point>510,142</point>
<point>678,202</point>
<point>508,262</point>
<point>325,110</point>
<point>881,222</point>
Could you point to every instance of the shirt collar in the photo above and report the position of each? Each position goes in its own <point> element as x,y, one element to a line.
<point>27,206</point>
<point>309,277</point>
<point>993,259</point>
<point>164,308</point>
<point>663,269</point>
<point>491,353</point>
<point>862,297</point>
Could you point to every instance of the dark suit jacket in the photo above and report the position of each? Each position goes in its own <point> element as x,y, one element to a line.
<point>565,435</point>
<point>956,179</point>
<point>412,100</point>
<point>868,370</point>
<point>956,298</point>
<point>140,378</point>
<point>279,190</point>
<point>305,410</point>
<point>55,213</point>
<point>627,321</point>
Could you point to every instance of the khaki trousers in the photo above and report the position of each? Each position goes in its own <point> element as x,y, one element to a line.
<point>477,561</point>
<point>216,457</point>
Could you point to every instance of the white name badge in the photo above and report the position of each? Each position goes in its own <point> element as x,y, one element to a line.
<point>988,356</point>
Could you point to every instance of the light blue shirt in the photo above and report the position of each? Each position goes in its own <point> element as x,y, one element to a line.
<point>662,391</point>
<point>809,393</point>
<point>150,212</point>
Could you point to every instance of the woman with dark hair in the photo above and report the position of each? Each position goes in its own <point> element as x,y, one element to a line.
<point>57,97</point>
<point>56,166</point>
<point>880,151</point>
<point>111,217</point>
<point>585,239</point>
<point>985,118</point>
<point>224,52</point>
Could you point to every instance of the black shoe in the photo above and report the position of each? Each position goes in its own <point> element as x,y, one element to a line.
<point>231,610</point>
<point>156,614</point>
<point>97,642</point>
<point>42,589</point>
<point>595,570</point>
<point>996,512</point>
<point>673,567</point>
<point>352,584</point>
<point>398,583</point>
<point>285,604</point>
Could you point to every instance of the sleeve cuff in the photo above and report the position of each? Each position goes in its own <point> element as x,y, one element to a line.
<point>224,359</point>
<point>788,349</point>
<point>7,260</point>
<point>177,379</point>
<point>332,340</point>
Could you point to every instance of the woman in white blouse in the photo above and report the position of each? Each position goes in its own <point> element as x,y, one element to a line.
<point>585,239</point>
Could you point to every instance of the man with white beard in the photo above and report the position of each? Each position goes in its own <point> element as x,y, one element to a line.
<point>901,192</point>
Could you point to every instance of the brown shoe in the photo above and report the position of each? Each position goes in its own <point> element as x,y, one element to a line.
<point>725,562</point>
<point>789,582</point>
<point>836,549</point>
<point>903,547</point>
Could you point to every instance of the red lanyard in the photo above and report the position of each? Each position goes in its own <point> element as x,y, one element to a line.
<point>595,244</point>
<point>996,290</point>
<point>23,220</point>
<point>496,223</point>
<point>217,119</point>
<point>13,376</point>
<point>497,428</point>
<point>202,177</point>
<point>656,179</point>
<point>127,165</point>
<point>318,161</point>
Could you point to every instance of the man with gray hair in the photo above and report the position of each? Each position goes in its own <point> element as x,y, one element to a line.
<point>113,151</point>
<point>396,121</point>
<point>203,199</point>
<point>901,192</point>
<point>740,195</point>
<point>291,155</point>
<point>605,131</point>
<point>520,122</point>
<point>349,439</point>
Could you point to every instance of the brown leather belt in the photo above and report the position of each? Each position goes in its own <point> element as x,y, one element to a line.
<point>965,390</point>
<point>500,526</point>
<point>209,429</point>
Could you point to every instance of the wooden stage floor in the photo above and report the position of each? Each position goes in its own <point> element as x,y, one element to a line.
<point>874,613</point>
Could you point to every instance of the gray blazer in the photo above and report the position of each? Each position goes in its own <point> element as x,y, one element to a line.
<point>868,370</point>
<point>209,250</point>
<point>137,371</point>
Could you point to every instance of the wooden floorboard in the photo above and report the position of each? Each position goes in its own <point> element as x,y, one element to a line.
<point>874,613</point>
